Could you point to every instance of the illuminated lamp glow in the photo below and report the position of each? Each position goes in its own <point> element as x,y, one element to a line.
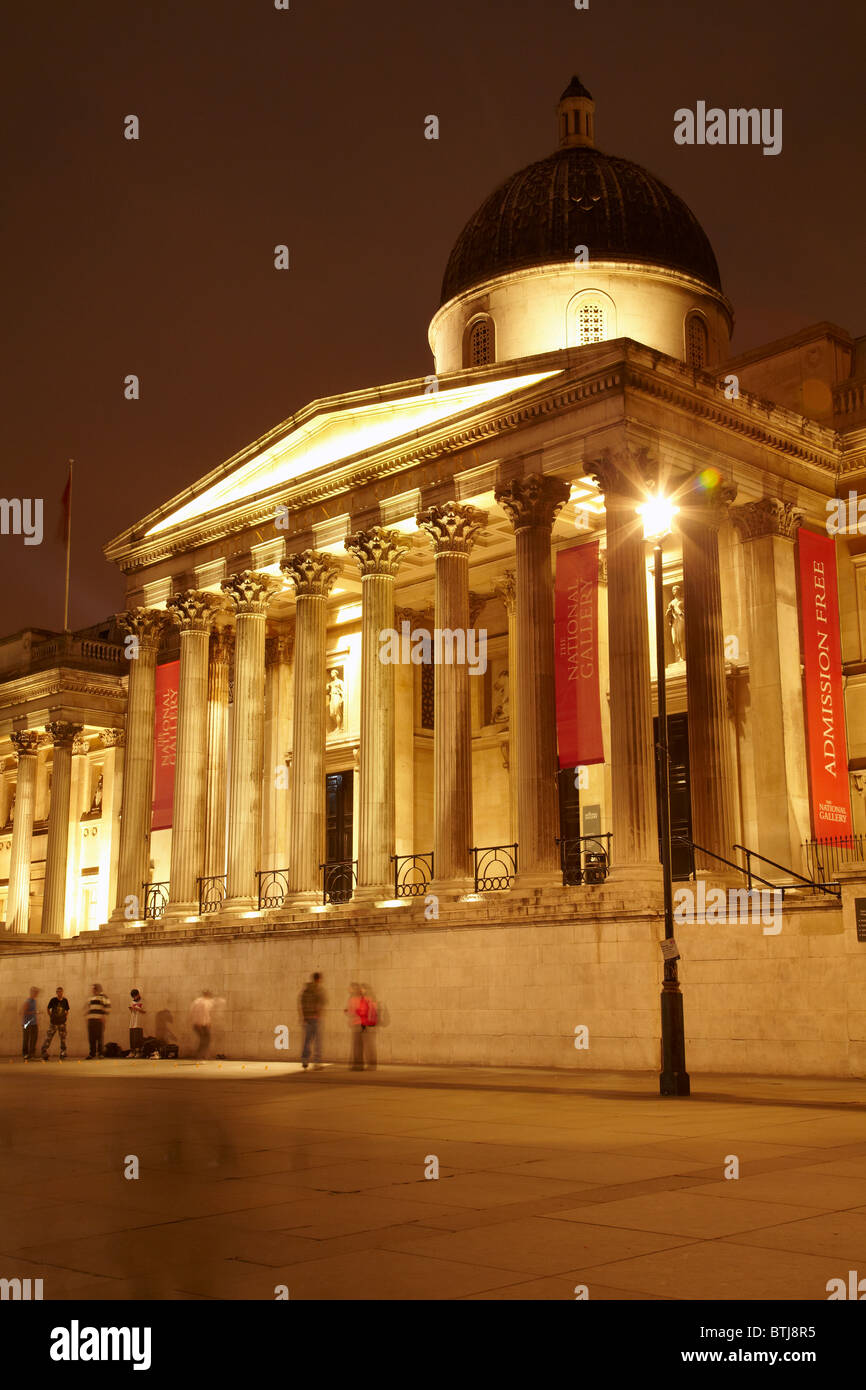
<point>657,514</point>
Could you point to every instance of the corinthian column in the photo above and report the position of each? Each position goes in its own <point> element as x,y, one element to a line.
<point>635,848</point>
<point>146,626</point>
<point>222,647</point>
<point>506,588</point>
<point>710,773</point>
<point>250,593</point>
<point>452,529</point>
<point>378,553</point>
<point>279,646</point>
<point>194,612</point>
<point>531,504</point>
<point>313,573</point>
<point>26,747</point>
<point>768,530</point>
<point>54,901</point>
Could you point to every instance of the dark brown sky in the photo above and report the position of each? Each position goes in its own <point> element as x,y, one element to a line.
<point>305,127</point>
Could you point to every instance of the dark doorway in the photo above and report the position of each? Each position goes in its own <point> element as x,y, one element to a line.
<point>681,800</point>
<point>339,873</point>
<point>339,815</point>
<point>569,804</point>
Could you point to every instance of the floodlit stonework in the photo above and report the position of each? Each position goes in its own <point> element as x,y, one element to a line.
<point>409,825</point>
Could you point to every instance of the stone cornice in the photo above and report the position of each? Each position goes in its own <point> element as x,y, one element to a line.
<point>634,369</point>
<point>43,685</point>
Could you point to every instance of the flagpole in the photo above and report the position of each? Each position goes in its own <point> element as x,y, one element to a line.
<point>68,549</point>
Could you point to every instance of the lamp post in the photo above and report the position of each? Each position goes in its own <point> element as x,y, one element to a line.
<point>657,515</point>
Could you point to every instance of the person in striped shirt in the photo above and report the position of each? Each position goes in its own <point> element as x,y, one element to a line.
<point>98,1009</point>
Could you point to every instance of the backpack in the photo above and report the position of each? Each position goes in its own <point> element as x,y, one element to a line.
<point>372,1016</point>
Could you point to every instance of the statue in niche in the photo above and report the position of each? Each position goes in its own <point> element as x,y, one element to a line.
<point>501,699</point>
<point>336,699</point>
<point>10,820</point>
<point>96,804</point>
<point>676,620</point>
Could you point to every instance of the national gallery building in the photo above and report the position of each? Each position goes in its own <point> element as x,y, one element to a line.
<point>383,698</point>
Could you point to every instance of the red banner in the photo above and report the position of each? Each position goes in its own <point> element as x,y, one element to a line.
<point>165,744</point>
<point>825,709</point>
<point>578,698</point>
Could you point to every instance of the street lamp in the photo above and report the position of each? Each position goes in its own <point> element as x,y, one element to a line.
<point>657,515</point>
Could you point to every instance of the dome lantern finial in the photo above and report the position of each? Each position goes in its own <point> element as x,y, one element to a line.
<point>575,116</point>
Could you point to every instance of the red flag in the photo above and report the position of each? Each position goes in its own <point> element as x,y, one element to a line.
<point>825,699</point>
<point>578,701</point>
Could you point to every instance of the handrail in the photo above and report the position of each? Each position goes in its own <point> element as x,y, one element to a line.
<point>731,865</point>
<point>783,868</point>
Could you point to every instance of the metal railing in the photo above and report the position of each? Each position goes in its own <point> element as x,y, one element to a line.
<point>412,874</point>
<point>495,867</point>
<point>338,880</point>
<point>831,890</point>
<point>155,900</point>
<point>825,856</point>
<point>211,893</point>
<point>584,858</point>
<point>273,887</point>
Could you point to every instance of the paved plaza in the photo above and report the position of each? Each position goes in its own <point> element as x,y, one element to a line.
<point>254,1176</point>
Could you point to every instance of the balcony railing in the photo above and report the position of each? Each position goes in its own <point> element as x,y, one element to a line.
<point>412,874</point>
<point>495,867</point>
<point>338,880</point>
<point>585,858</point>
<point>273,887</point>
<point>826,855</point>
<point>155,900</point>
<point>211,893</point>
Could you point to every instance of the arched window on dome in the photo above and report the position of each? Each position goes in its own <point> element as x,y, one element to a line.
<point>590,318</point>
<point>480,343</point>
<point>697,341</point>
<point>590,323</point>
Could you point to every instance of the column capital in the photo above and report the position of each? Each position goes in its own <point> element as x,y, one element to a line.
<point>768,516</point>
<point>250,591</point>
<point>476,603</point>
<point>279,647</point>
<point>222,645</point>
<point>710,508</point>
<point>63,735</point>
<point>532,501</point>
<point>147,624</point>
<point>112,738</point>
<point>419,617</point>
<point>80,746</point>
<point>27,743</point>
<point>451,527</point>
<point>626,471</point>
<point>505,587</point>
<point>377,550</point>
<point>194,610</point>
<point>313,572</point>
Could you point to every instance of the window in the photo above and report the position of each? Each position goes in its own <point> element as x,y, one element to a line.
<point>697,341</point>
<point>480,344</point>
<point>590,323</point>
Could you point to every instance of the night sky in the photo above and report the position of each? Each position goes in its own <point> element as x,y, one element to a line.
<point>306,127</point>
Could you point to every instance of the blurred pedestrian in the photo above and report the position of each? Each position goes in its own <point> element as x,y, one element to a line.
<point>136,1026</point>
<point>311,1004</point>
<point>98,1009</point>
<point>361,1013</point>
<point>200,1016</point>
<point>30,1025</point>
<point>58,1014</point>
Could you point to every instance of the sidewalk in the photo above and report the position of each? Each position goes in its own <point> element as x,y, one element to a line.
<point>319,1181</point>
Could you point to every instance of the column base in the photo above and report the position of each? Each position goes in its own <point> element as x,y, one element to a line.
<point>452,888</point>
<point>236,906</point>
<point>175,912</point>
<point>371,893</point>
<point>648,874</point>
<point>304,897</point>
<point>537,879</point>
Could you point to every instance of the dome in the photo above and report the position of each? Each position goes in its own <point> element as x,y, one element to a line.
<point>579,196</point>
